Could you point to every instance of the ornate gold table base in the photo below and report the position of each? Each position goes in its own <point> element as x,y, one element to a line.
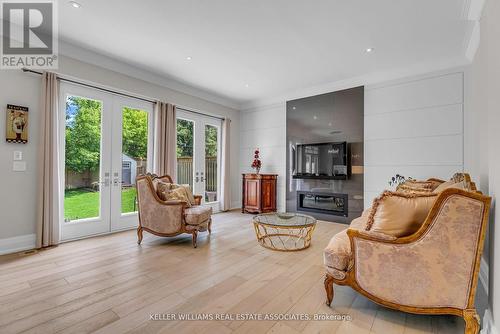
<point>283,238</point>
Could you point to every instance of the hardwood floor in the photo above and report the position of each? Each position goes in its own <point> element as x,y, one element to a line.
<point>110,284</point>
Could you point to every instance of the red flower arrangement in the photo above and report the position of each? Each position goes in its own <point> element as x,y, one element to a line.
<point>256,164</point>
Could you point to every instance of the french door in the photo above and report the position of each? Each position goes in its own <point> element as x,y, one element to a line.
<point>106,141</point>
<point>198,155</point>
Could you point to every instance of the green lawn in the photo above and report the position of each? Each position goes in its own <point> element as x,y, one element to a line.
<point>83,203</point>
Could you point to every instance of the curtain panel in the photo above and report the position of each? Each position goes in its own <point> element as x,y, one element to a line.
<point>48,191</point>
<point>165,143</point>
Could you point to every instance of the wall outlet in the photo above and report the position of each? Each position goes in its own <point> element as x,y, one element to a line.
<point>19,166</point>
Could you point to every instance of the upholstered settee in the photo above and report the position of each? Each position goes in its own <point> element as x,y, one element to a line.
<point>431,270</point>
<point>169,218</point>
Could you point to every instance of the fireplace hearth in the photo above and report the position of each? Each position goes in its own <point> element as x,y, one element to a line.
<point>323,202</point>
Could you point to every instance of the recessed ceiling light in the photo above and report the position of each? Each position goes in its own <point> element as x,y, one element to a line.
<point>369,50</point>
<point>294,108</point>
<point>315,117</point>
<point>75,4</point>
<point>188,58</point>
<point>247,85</point>
<point>329,124</point>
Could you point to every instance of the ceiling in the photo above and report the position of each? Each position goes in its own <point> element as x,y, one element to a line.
<point>252,50</point>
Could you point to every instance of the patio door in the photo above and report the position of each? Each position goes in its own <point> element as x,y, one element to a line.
<point>106,142</point>
<point>198,155</point>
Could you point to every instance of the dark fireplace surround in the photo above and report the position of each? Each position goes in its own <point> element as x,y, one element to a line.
<point>323,202</point>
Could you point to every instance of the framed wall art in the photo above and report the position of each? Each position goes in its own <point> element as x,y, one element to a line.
<point>17,124</point>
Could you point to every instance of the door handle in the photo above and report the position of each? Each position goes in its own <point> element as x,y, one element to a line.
<point>197,179</point>
<point>202,179</point>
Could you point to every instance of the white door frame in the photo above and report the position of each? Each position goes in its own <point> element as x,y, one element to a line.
<point>89,226</point>
<point>199,173</point>
<point>129,220</point>
<point>110,217</point>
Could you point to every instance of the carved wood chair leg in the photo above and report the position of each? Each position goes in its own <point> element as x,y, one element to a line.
<point>139,235</point>
<point>195,236</point>
<point>329,289</point>
<point>210,226</point>
<point>471,321</point>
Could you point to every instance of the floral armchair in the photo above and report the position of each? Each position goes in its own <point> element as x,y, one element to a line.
<point>432,271</point>
<point>168,218</point>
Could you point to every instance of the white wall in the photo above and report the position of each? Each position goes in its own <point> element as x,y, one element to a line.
<point>18,190</point>
<point>413,127</point>
<point>265,128</point>
<point>483,138</point>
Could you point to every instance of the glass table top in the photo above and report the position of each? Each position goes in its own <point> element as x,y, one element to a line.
<point>285,219</point>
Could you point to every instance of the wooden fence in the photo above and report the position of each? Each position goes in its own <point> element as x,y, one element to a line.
<point>185,172</point>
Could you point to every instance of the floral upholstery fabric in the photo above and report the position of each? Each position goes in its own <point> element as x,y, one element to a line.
<point>433,271</point>
<point>156,216</point>
<point>197,215</point>
<point>335,273</point>
<point>338,252</point>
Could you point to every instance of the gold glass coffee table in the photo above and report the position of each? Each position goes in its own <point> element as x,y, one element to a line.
<point>284,231</point>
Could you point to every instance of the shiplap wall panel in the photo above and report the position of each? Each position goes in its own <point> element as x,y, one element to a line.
<point>265,128</point>
<point>436,150</point>
<point>413,128</point>
<point>416,122</point>
<point>422,93</point>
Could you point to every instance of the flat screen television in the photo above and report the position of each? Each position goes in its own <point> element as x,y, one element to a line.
<point>321,161</point>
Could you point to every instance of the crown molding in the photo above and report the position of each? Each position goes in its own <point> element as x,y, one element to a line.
<point>97,59</point>
<point>472,11</point>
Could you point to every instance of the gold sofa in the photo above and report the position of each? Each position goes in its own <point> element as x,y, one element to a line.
<point>431,271</point>
<point>168,218</point>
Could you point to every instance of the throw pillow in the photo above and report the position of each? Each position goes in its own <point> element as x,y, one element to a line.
<point>399,214</point>
<point>179,194</point>
<point>162,189</point>
<point>451,184</point>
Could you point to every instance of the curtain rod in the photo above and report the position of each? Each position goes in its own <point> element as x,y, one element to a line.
<point>119,93</point>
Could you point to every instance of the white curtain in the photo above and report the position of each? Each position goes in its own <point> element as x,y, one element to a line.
<point>49,196</point>
<point>165,142</point>
<point>225,166</point>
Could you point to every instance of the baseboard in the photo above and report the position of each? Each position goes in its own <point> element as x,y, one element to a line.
<point>17,244</point>
<point>488,324</point>
<point>484,277</point>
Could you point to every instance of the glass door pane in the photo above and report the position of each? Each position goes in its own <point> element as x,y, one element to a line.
<point>134,159</point>
<point>211,163</point>
<point>82,158</point>
<point>185,152</point>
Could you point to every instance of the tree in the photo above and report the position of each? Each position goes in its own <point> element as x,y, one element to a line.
<point>185,141</point>
<point>210,141</point>
<point>83,134</point>
<point>184,138</point>
<point>135,133</point>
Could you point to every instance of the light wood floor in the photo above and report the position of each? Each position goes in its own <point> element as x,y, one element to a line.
<point>110,284</point>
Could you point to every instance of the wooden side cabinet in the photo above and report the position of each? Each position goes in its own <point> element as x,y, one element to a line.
<point>259,193</point>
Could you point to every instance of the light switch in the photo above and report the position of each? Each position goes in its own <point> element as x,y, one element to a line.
<point>18,155</point>
<point>19,166</point>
